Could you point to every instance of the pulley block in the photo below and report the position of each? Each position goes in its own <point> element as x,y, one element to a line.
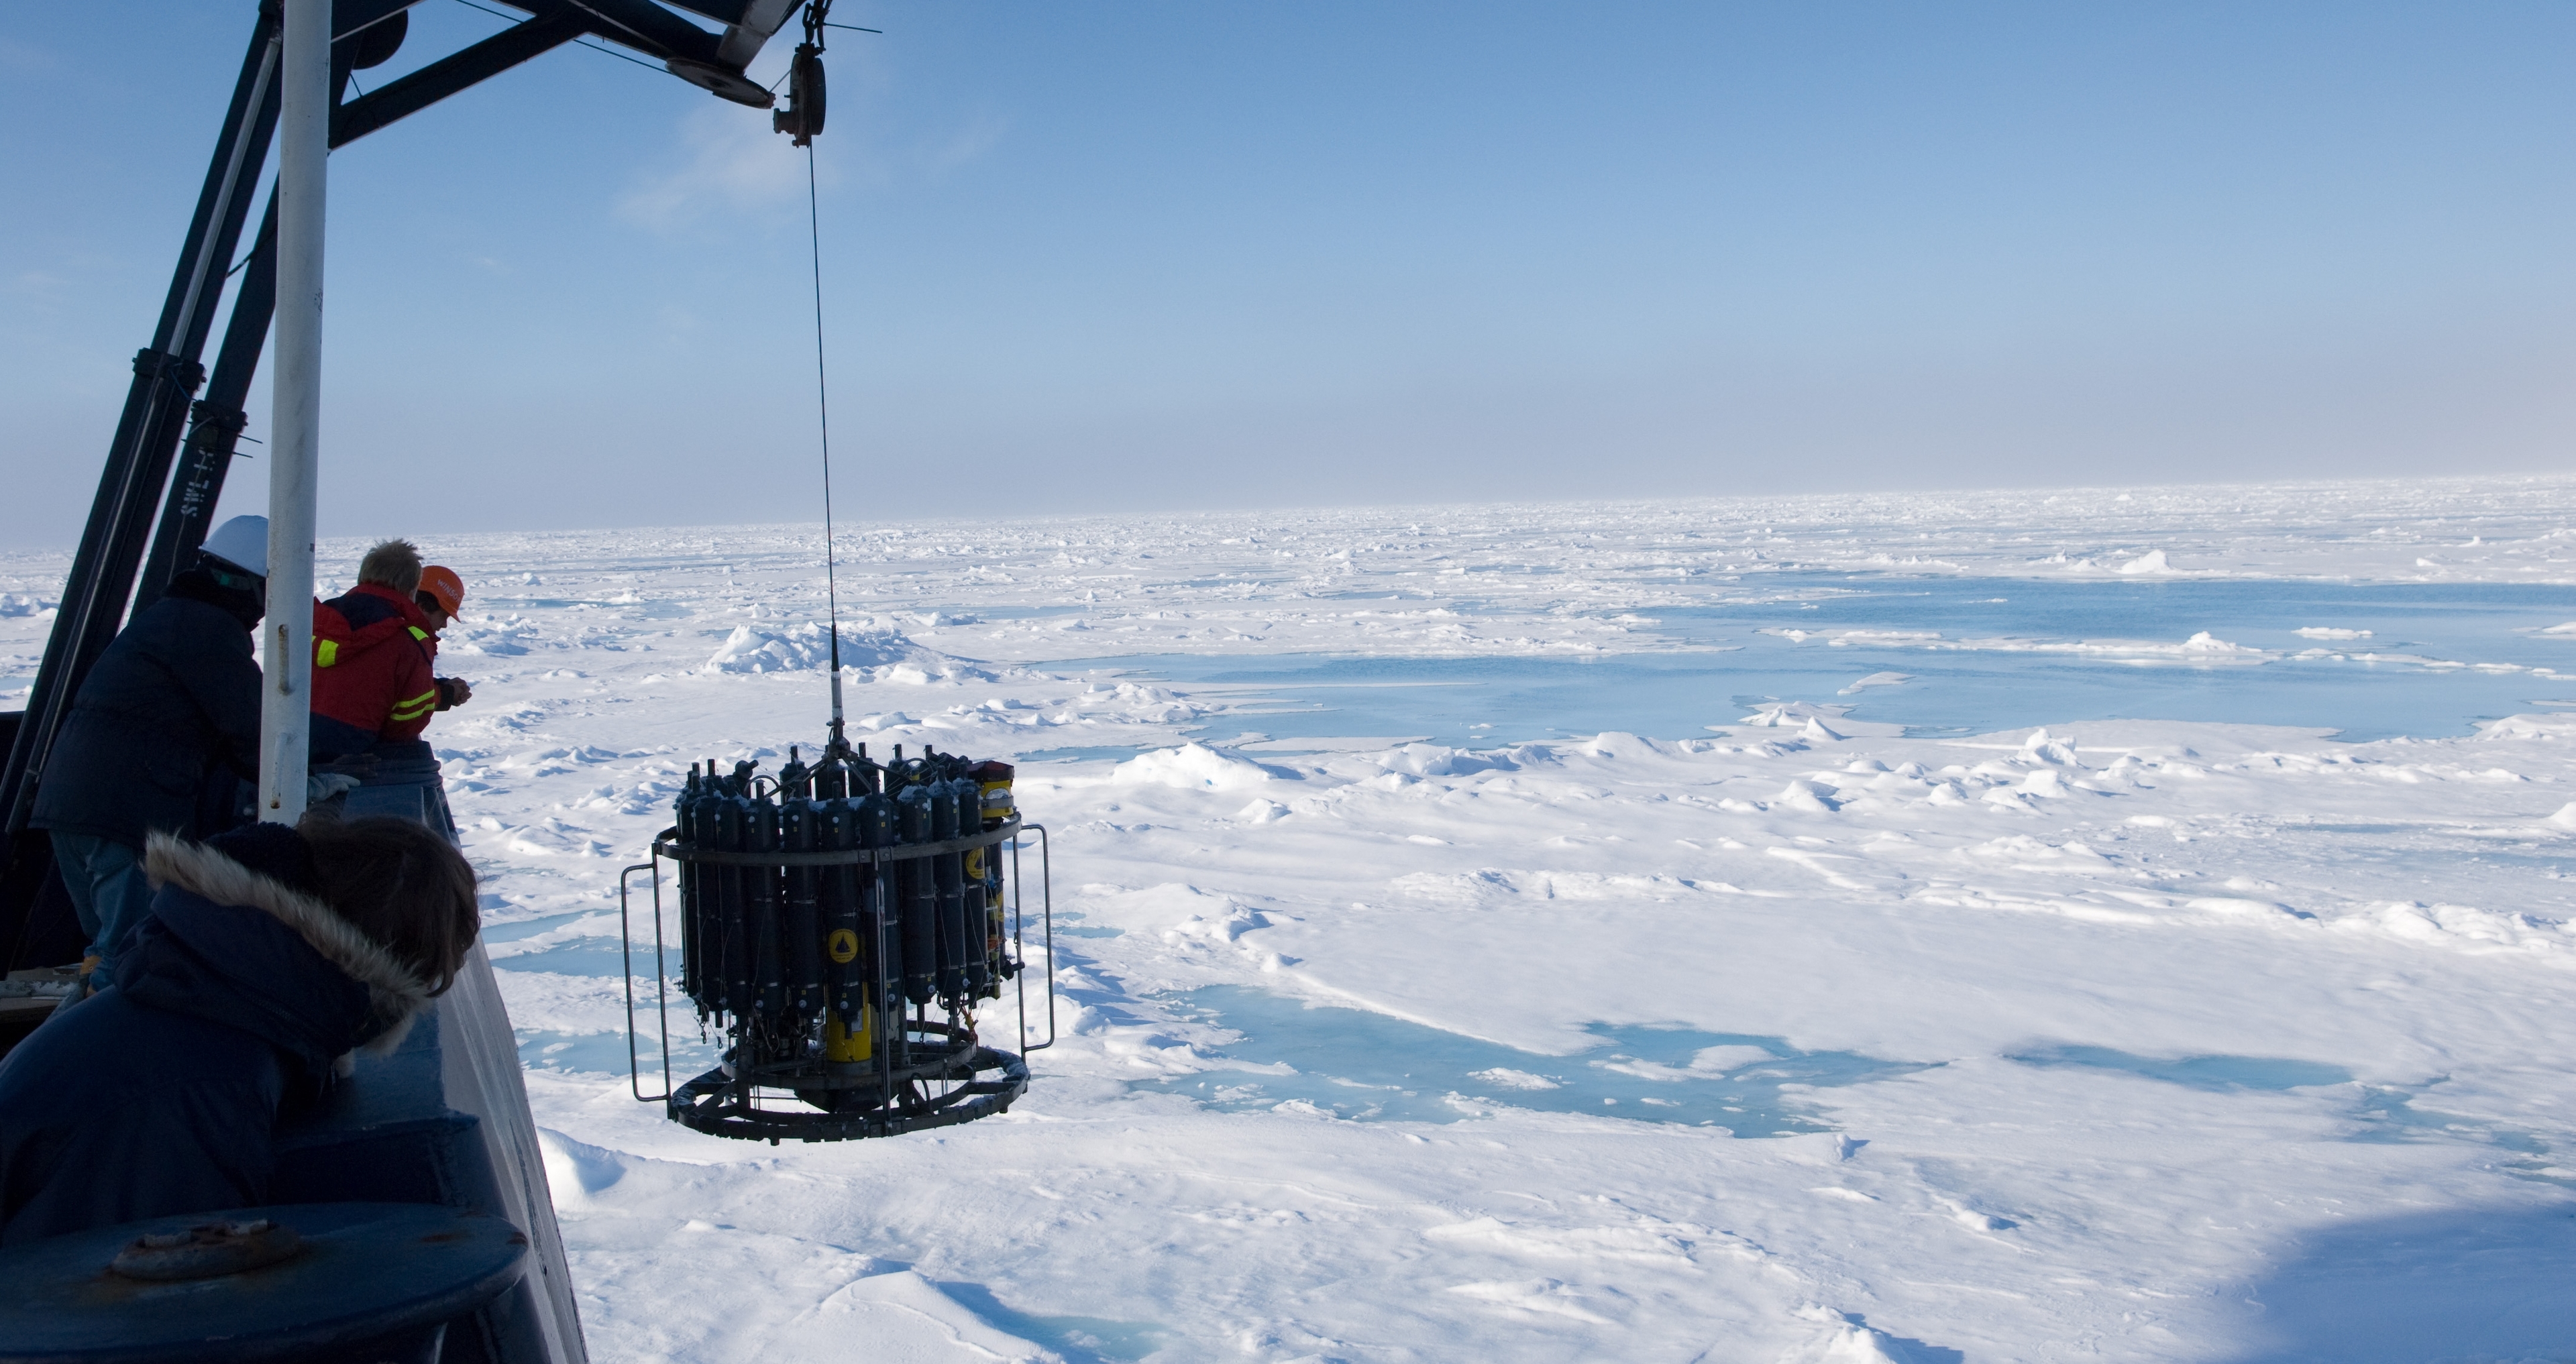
<point>803,115</point>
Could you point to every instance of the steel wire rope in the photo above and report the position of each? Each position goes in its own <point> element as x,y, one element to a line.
<point>823,412</point>
<point>577,42</point>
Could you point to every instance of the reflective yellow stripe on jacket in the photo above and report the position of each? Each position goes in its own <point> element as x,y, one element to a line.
<point>325,652</point>
<point>415,707</point>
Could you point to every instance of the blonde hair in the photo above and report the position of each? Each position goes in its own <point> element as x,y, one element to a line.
<point>394,564</point>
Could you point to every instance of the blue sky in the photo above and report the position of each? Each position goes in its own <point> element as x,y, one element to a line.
<point>1163,255</point>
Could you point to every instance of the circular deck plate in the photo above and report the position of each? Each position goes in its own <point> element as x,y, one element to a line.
<point>365,1270</point>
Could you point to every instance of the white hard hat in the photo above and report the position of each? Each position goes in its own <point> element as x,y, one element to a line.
<point>241,542</point>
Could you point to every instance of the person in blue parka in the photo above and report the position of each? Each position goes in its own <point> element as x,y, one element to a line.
<point>158,737</point>
<point>269,954</point>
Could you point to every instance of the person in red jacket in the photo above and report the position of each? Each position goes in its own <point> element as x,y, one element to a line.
<point>372,651</point>
<point>373,689</point>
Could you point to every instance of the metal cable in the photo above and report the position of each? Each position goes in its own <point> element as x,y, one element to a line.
<point>823,408</point>
<point>578,42</point>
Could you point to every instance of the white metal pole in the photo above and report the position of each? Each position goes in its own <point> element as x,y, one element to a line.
<point>303,153</point>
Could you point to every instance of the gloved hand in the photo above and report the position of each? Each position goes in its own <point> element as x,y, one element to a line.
<point>322,781</point>
<point>453,692</point>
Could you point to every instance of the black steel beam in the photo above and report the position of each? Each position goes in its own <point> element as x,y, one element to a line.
<point>200,277</point>
<point>456,71</point>
<point>644,25</point>
<point>647,27</point>
<point>215,421</point>
<point>147,434</point>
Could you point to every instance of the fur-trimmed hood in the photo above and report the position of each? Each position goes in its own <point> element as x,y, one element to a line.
<point>394,994</point>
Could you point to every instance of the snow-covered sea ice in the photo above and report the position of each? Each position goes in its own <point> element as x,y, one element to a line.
<point>2018,927</point>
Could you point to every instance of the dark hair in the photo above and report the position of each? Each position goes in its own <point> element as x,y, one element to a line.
<point>401,884</point>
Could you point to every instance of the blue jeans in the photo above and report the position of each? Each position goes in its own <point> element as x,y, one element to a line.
<point>108,890</point>
<point>405,785</point>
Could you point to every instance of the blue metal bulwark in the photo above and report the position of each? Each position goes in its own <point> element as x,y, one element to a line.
<point>444,1120</point>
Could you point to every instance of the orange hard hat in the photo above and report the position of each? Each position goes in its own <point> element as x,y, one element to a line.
<point>441,582</point>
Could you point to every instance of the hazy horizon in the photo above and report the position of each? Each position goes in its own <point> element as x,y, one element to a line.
<point>2447,486</point>
<point>1162,258</point>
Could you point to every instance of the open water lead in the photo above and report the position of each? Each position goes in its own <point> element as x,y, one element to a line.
<point>840,924</point>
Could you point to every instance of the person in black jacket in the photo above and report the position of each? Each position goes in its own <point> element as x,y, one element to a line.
<point>269,954</point>
<point>158,734</point>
